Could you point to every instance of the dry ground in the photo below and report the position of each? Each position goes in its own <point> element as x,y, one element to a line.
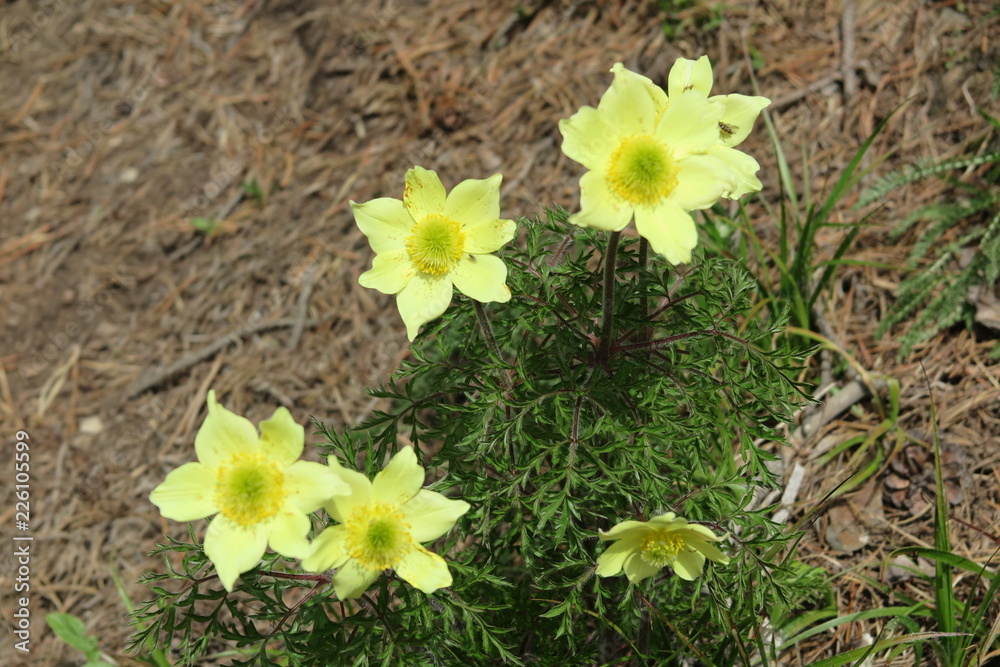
<point>122,121</point>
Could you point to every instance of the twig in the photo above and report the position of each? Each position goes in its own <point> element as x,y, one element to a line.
<point>153,377</point>
<point>791,492</point>
<point>815,86</point>
<point>823,324</point>
<point>852,392</point>
<point>302,308</point>
<point>847,64</point>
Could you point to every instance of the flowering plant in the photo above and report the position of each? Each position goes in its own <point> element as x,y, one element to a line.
<point>582,408</point>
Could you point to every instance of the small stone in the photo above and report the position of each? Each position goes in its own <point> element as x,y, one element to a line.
<point>128,175</point>
<point>900,569</point>
<point>91,425</point>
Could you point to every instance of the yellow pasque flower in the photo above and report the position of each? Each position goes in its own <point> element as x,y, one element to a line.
<point>381,525</point>
<point>655,159</point>
<point>644,547</point>
<point>738,116</point>
<point>258,486</point>
<point>647,159</point>
<point>430,241</point>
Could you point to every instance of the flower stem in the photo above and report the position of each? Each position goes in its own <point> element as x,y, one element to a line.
<point>607,321</point>
<point>491,342</point>
<point>647,330</point>
<point>486,328</point>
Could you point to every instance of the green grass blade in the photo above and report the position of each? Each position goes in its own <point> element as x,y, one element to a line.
<point>860,654</point>
<point>943,590</point>
<point>949,558</point>
<point>787,184</point>
<point>883,612</point>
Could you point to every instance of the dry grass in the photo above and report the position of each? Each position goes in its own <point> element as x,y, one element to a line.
<point>122,121</point>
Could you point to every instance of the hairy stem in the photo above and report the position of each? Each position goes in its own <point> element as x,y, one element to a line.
<point>647,331</point>
<point>491,342</point>
<point>607,321</point>
<point>486,328</point>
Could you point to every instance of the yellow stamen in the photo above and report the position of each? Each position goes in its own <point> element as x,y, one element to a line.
<point>249,489</point>
<point>377,536</point>
<point>660,548</point>
<point>643,171</point>
<point>436,244</point>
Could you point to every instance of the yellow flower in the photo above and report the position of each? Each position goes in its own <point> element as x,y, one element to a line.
<point>381,525</point>
<point>648,159</point>
<point>258,486</point>
<point>644,547</point>
<point>738,116</point>
<point>430,241</point>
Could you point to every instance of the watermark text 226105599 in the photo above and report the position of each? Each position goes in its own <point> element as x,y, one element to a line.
<point>22,542</point>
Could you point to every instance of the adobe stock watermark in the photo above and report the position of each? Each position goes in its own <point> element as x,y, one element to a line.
<point>23,29</point>
<point>373,26</point>
<point>21,455</point>
<point>467,103</point>
<point>224,175</point>
<point>133,96</point>
<point>60,338</point>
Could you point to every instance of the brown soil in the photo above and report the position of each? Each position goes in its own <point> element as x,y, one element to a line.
<point>123,121</point>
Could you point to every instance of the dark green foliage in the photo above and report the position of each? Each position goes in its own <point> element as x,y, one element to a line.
<point>549,445</point>
<point>935,294</point>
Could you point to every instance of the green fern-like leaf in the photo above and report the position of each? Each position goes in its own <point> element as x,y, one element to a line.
<point>919,171</point>
<point>935,293</point>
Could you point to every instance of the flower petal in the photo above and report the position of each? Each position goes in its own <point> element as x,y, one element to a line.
<point>612,560</point>
<point>739,114</point>
<point>423,299</point>
<point>599,208</point>
<point>423,194</point>
<point>688,75</point>
<point>233,549</point>
<point>328,550</point>
<point>287,532</point>
<point>669,229</point>
<point>690,124</point>
<point>424,570</point>
<point>474,201</point>
<point>223,433</point>
<point>627,103</point>
<point>341,507</point>
<point>666,520</point>
<point>625,530</point>
<point>431,514</point>
<point>588,138</point>
<point>385,222</point>
<point>708,550</point>
<point>482,277</point>
<point>187,493</point>
<point>391,271</point>
<point>743,168</point>
<point>351,580</point>
<point>636,569</point>
<point>400,480</point>
<point>702,180</point>
<point>281,439</point>
<point>688,565</point>
<point>310,485</point>
<point>488,236</point>
<point>694,531</point>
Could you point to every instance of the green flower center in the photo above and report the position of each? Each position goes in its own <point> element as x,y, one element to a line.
<point>377,536</point>
<point>643,171</point>
<point>249,489</point>
<point>660,548</point>
<point>436,244</point>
